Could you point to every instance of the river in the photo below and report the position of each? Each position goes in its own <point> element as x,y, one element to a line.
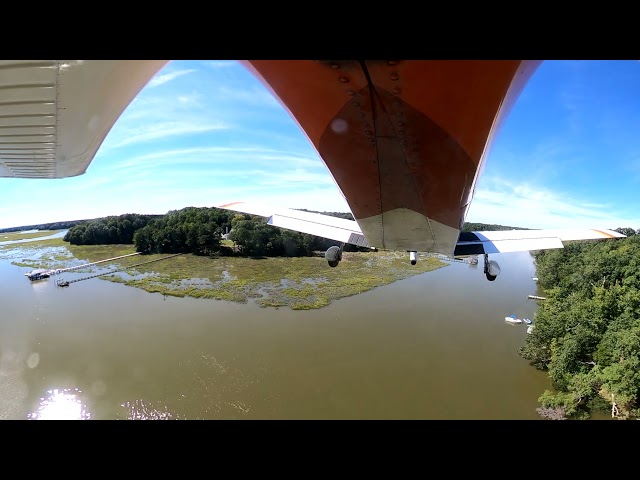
<point>434,346</point>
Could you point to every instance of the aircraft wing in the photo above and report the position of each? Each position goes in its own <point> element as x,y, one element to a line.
<point>55,114</point>
<point>325,226</point>
<point>469,243</point>
<point>502,241</point>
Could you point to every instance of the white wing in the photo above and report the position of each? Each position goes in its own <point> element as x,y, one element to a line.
<point>339,229</point>
<point>502,241</point>
<point>469,243</point>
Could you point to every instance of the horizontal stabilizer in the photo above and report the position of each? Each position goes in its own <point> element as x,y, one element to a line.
<point>325,226</point>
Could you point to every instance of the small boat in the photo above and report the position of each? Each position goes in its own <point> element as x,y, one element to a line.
<point>63,283</point>
<point>527,321</point>
<point>39,274</point>
<point>512,319</point>
<point>530,329</point>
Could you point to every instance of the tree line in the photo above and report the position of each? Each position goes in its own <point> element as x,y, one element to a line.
<point>479,227</point>
<point>586,333</point>
<point>256,238</point>
<point>45,226</point>
<point>108,230</point>
<point>199,231</point>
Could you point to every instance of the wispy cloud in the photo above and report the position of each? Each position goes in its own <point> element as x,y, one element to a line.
<point>221,64</point>
<point>167,77</point>
<point>298,177</point>
<point>226,156</point>
<point>162,130</point>
<point>526,205</point>
<point>253,96</point>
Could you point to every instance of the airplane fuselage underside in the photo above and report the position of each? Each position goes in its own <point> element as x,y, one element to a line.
<point>405,141</point>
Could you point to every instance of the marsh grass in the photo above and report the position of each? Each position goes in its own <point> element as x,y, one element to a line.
<point>301,283</point>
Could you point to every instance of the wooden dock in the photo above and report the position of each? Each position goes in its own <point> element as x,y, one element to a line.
<point>78,267</point>
<point>68,282</point>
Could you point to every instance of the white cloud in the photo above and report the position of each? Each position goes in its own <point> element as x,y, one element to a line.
<point>328,199</point>
<point>160,130</point>
<point>167,77</point>
<point>253,96</point>
<point>221,63</point>
<point>223,157</point>
<point>502,202</point>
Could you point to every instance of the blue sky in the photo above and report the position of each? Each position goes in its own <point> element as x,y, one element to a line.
<point>203,133</point>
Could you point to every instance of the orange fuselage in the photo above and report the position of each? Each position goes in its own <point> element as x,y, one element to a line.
<point>405,140</point>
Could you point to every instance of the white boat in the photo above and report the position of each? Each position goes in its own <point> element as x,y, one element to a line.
<point>530,329</point>
<point>527,321</point>
<point>512,319</point>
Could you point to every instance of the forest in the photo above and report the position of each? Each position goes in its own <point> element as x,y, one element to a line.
<point>199,231</point>
<point>108,230</point>
<point>586,333</point>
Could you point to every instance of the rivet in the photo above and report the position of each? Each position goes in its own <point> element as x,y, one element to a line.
<point>356,104</point>
<point>396,90</point>
<point>344,79</point>
<point>335,65</point>
<point>351,93</point>
<point>401,124</point>
<point>394,76</point>
<point>391,62</point>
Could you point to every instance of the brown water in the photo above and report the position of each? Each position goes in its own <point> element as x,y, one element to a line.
<point>434,346</point>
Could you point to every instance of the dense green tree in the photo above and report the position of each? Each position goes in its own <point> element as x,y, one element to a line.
<point>108,230</point>
<point>479,227</point>
<point>626,231</point>
<point>587,331</point>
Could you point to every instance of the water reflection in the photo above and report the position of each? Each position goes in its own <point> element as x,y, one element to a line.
<point>61,404</point>
<point>141,410</point>
<point>36,239</point>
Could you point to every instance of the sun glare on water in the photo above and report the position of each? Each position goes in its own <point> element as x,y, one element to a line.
<point>61,404</point>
